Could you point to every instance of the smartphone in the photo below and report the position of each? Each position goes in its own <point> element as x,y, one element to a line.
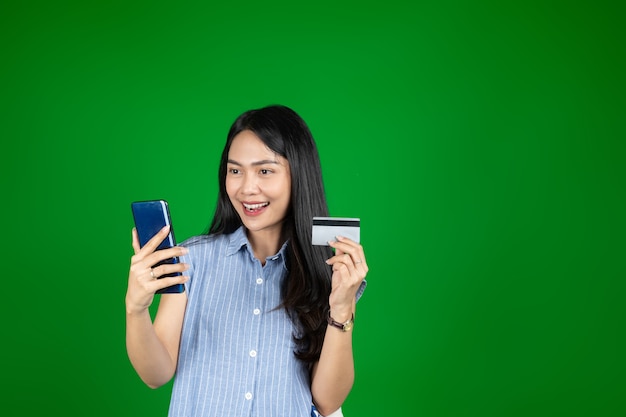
<point>151,216</point>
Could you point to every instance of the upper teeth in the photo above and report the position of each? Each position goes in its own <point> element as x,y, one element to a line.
<point>254,206</point>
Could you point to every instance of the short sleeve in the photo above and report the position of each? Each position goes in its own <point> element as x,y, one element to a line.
<point>361,289</point>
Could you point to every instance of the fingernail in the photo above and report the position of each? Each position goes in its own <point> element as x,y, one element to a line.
<point>327,261</point>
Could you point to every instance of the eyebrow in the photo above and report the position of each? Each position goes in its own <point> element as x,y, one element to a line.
<point>255,163</point>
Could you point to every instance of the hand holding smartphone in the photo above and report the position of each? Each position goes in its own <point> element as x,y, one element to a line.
<point>150,217</point>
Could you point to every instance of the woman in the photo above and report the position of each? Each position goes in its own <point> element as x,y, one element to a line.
<point>250,336</point>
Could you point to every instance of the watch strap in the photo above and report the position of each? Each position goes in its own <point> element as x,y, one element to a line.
<point>344,327</point>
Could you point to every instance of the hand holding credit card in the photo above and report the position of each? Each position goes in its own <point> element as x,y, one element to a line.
<point>327,229</point>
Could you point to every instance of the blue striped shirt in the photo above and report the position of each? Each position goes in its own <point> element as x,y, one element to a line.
<point>236,353</point>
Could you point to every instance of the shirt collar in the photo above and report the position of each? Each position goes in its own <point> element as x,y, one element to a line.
<point>239,240</point>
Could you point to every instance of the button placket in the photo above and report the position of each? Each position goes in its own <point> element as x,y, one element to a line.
<point>257,305</point>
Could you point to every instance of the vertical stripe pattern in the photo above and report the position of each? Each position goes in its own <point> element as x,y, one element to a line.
<point>236,354</point>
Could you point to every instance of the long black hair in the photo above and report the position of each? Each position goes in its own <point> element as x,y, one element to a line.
<point>305,291</point>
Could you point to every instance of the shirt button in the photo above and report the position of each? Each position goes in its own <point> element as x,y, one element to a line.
<point>248,395</point>
<point>253,353</point>
<point>257,311</point>
<point>259,281</point>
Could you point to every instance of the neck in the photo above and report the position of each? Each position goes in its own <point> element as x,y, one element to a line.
<point>265,243</point>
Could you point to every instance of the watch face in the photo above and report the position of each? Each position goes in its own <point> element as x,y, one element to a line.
<point>348,326</point>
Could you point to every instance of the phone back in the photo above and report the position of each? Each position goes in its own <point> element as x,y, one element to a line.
<point>150,217</point>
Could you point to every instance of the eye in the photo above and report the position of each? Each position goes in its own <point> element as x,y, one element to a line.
<point>265,171</point>
<point>234,171</point>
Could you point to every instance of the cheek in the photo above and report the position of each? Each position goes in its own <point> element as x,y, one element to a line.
<point>231,189</point>
<point>276,187</point>
<point>283,190</point>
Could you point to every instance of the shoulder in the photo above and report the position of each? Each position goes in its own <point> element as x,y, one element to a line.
<point>201,240</point>
<point>202,246</point>
<point>213,245</point>
<point>204,251</point>
<point>237,238</point>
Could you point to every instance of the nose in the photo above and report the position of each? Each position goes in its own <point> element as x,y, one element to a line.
<point>250,184</point>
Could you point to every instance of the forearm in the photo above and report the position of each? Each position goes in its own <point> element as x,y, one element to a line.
<point>333,375</point>
<point>146,352</point>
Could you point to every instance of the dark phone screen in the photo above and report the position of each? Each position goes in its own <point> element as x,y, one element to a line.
<point>150,217</point>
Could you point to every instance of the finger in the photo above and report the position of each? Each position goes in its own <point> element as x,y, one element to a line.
<point>346,261</point>
<point>339,266</point>
<point>346,245</point>
<point>163,254</point>
<point>156,240</point>
<point>343,265</point>
<point>359,261</point>
<point>344,285</point>
<point>166,269</point>
<point>358,254</point>
<point>152,285</point>
<point>147,275</point>
<point>168,282</point>
<point>135,241</point>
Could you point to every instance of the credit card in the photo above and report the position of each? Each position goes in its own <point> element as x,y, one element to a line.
<point>327,229</point>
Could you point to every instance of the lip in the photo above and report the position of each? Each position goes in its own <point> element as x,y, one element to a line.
<point>255,212</point>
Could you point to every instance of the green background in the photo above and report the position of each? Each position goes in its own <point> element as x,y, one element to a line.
<point>481,143</point>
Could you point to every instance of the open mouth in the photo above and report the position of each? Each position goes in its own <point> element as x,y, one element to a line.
<point>254,207</point>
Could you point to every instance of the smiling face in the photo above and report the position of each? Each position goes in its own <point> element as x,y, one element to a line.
<point>258,183</point>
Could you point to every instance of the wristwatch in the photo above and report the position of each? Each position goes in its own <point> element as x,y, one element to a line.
<point>344,327</point>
